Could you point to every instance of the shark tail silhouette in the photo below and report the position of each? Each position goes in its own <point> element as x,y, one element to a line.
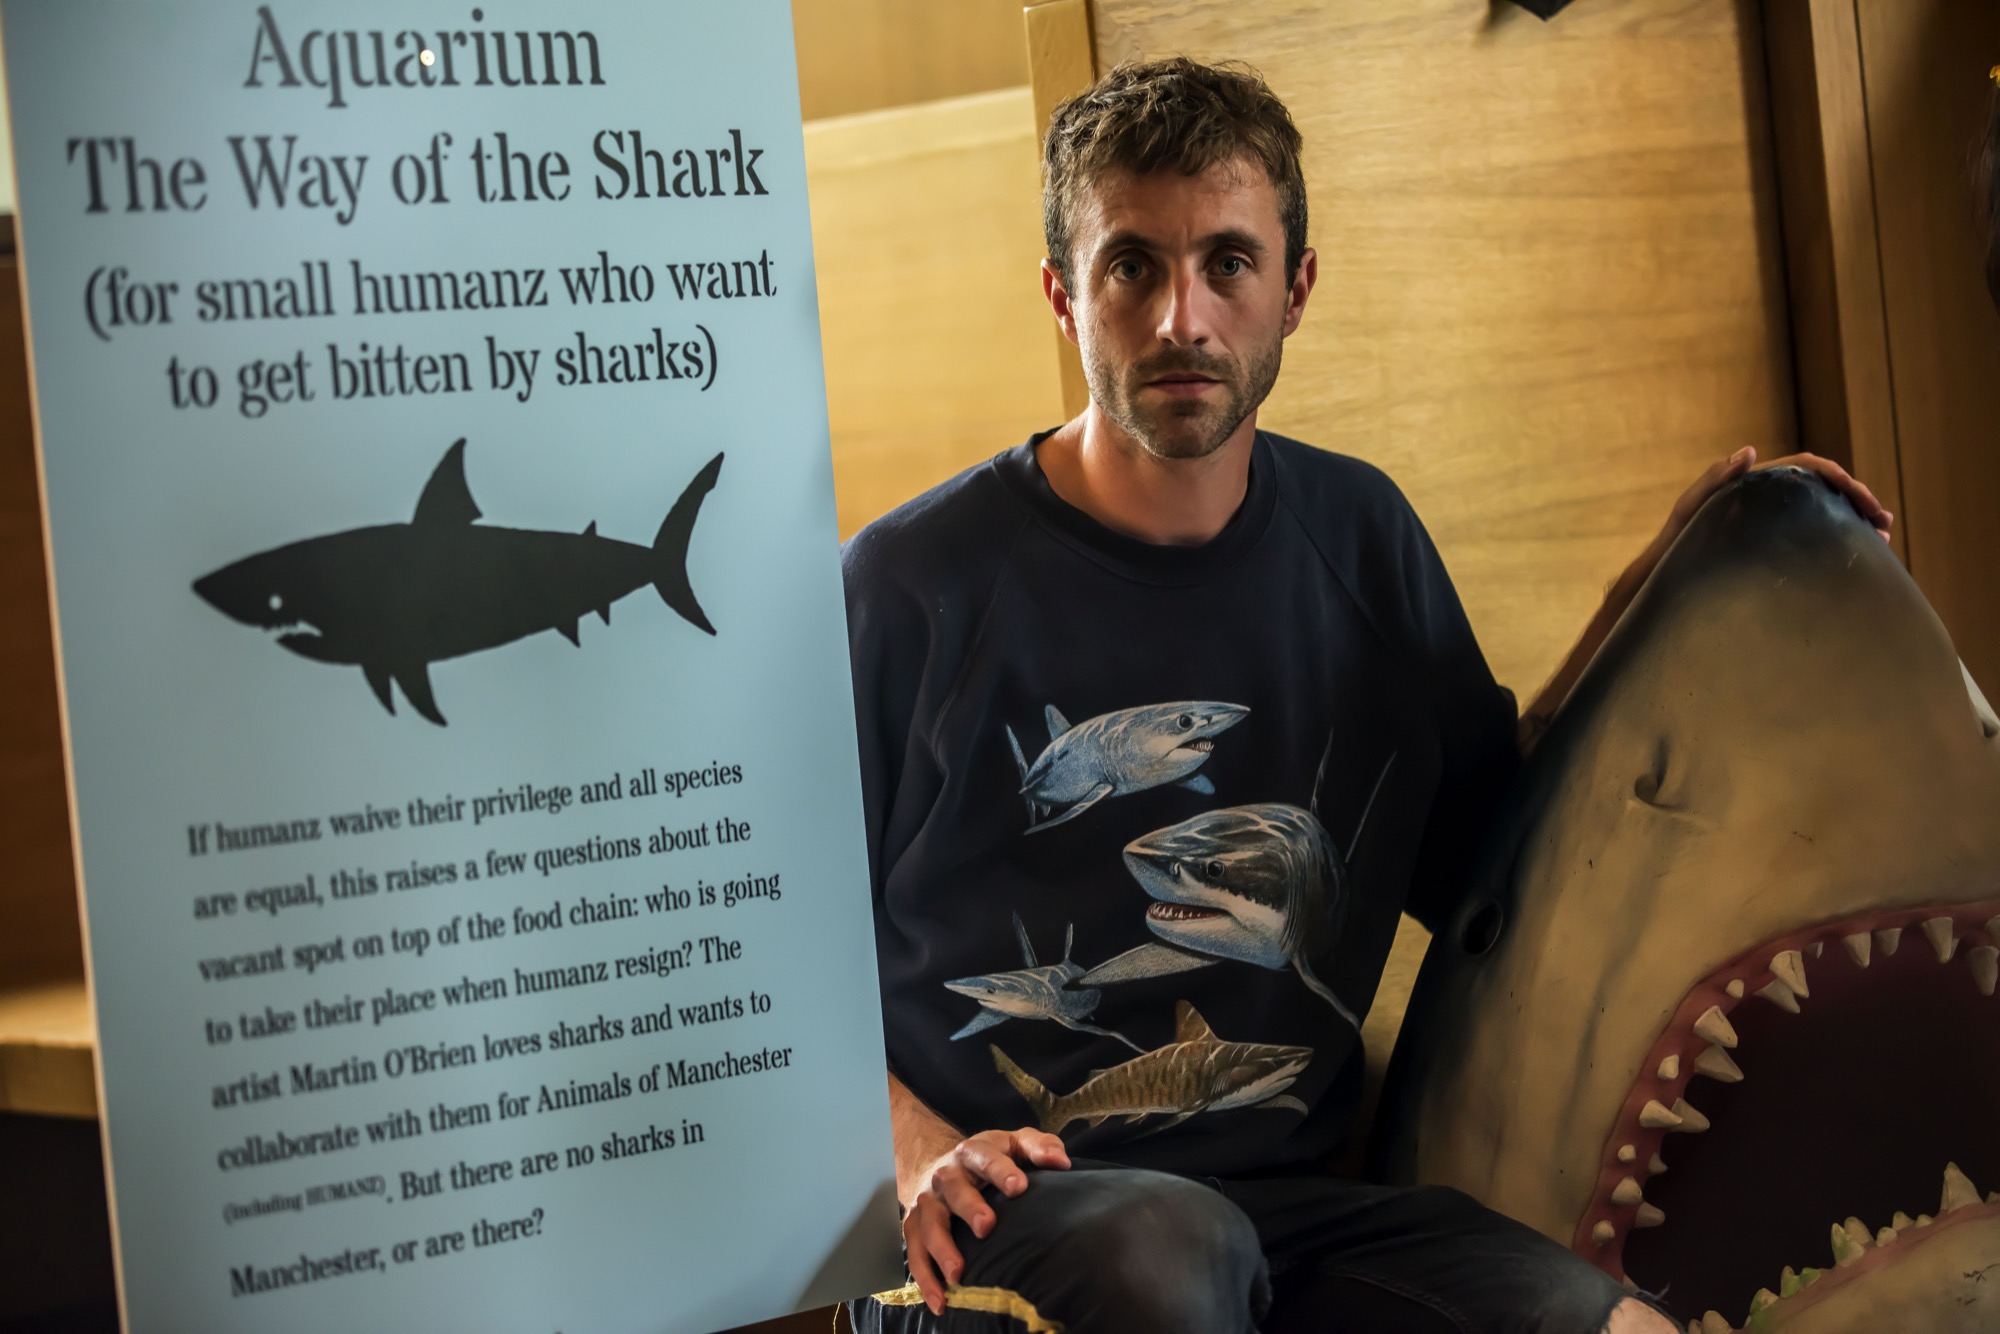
<point>1039,1098</point>
<point>670,547</point>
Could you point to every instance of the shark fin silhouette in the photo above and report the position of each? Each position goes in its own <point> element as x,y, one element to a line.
<point>1057,723</point>
<point>415,678</point>
<point>378,681</point>
<point>569,632</point>
<point>604,613</point>
<point>446,499</point>
<point>670,547</point>
<point>590,529</point>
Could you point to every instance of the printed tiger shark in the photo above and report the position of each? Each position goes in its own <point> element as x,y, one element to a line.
<point>1116,754</point>
<point>1196,1072</point>
<point>394,598</point>
<point>1033,992</point>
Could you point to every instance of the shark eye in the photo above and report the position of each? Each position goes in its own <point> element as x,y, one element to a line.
<point>1185,722</point>
<point>277,602</point>
<point>1211,870</point>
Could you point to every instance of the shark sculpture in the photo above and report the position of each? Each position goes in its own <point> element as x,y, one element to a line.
<point>1196,1072</point>
<point>1116,754</point>
<point>1037,991</point>
<point>1718,1010</point>
<point>394,598</point>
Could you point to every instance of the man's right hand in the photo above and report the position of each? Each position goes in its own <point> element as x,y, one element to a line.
<point>951,1186</point>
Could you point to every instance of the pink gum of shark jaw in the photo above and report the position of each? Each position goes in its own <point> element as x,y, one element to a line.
<point>1773,774</point>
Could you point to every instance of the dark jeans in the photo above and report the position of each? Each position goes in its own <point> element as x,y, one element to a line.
<point>1106,1248</point>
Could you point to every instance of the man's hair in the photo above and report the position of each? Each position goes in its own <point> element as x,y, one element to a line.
<point>1170,114</point>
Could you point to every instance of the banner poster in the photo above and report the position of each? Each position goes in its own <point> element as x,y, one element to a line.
<point>434,452</point>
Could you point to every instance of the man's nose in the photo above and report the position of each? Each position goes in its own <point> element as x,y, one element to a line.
<point>1184,320</point>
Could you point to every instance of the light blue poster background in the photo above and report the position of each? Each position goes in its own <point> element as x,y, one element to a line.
<point>185,723</point>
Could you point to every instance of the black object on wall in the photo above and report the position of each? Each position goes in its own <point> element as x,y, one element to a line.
<point>1543,9</point>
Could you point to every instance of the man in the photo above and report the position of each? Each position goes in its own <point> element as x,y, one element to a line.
<point>1164,721</point>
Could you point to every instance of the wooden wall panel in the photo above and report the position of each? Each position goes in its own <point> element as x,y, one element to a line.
<point>1923,68</point>
<point>1549,282</point>
<point>927,241</point>
<point>864,55</point>
<point>40,934</point>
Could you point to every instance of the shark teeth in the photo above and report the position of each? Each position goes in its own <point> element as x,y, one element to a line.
<point>1984,961</point>
<point>1655,1165</point>
<point>1602,1232</point>
<point>1851,1241</point>
<point>1655,1116</point>
<point>1889,937</point>
<point>1691,1121</point>
<point>1649,1215</point>
<point>1959,1192</point>
<point>1715,1027</point>
<point>1789,967</point>
<point>1717,1065</point>
<point>1938,930</point>
<point>1780,995</point>
<point>1670,1066</point>
<point>1627,1192</point>
<point>1858,947</point>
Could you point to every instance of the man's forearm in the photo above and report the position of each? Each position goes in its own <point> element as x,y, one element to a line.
<point>921,1137</point>
<point>1616,599</point>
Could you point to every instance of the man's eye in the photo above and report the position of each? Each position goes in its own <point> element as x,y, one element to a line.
<point>1232,266</point>
<point>1129,270</point>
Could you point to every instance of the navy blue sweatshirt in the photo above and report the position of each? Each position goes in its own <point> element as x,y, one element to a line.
<point>1142,818</point>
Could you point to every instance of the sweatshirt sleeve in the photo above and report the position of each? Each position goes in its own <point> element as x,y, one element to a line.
<point>1475,717</point>
<point>888,642</point>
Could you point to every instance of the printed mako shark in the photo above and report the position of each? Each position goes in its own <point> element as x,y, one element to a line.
<point>1033,992</point>
<point>1116,754</point>
<point>1724,988</point>
<point>394,598</point>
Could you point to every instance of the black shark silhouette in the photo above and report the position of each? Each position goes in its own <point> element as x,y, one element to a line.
<point>394,598</point>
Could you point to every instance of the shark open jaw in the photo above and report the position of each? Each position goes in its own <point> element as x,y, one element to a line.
<point>1715,1187</point>
<point>1724,978</point>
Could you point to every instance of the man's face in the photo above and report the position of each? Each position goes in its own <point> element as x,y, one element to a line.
<point>1179,301</point>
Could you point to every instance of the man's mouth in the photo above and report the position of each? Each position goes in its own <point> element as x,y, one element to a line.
<point>1823,1084</point>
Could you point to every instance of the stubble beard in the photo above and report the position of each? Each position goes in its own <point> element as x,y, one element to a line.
<point>1177,429</point>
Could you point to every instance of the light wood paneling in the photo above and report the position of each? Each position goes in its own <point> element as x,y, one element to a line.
<point>927,240</point>
<point>1549,290</point>
<point>1062,65</point>
<point>864,55</point>
<point>1923,68</point>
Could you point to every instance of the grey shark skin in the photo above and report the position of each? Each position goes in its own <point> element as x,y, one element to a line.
<point>1260,884</point>
<point>1756,832</point>
<point>1033,992</point>
<point>1196,1072</point>
<point>1116,754</point>
<point>394,598</point>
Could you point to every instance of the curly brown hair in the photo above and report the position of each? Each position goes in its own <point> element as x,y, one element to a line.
<point>1174,114</point>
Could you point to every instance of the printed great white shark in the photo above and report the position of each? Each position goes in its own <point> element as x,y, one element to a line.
<point>1718,1009</point>
<point>394,598</point>
<point>1260,884</point>
<point>1119,753</point>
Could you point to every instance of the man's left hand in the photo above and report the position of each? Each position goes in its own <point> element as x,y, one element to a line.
<point>1728,470</point>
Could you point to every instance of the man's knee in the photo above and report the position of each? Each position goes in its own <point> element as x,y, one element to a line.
<point>1128,1250</point>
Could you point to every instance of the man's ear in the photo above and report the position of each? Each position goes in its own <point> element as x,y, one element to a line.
<point>1302,286</point>
<point>1058,298</point>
